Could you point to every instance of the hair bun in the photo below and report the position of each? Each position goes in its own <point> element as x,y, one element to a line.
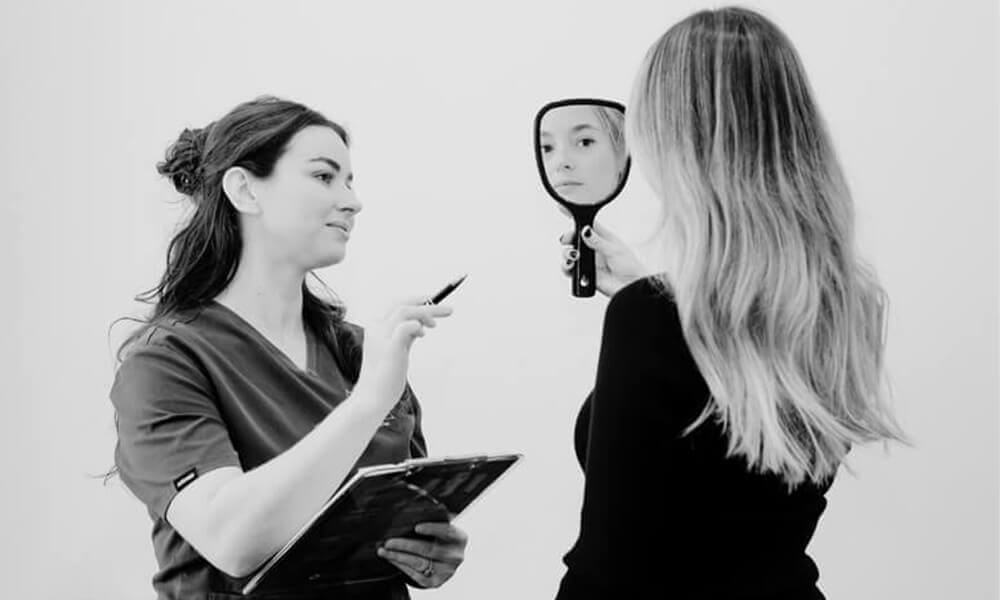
<point>183,161</point>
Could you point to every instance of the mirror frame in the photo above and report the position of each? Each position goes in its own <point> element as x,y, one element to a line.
<point>584,273</point>
<point>538,150</point>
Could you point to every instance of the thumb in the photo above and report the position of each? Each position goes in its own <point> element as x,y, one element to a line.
<point>605,233</point>
<point>406,332</point>
<point>593,239</point>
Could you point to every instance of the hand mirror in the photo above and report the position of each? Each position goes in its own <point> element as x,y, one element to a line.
<point>580,151</point>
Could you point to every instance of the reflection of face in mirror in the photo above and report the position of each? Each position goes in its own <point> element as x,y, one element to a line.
<point>583,151</point>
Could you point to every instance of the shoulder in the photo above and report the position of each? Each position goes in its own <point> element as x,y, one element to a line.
<point>642,327</point>
<point>644,305</point>
<point>197,334</point>
<point>163,339</point>
<point>647,292</point>
<point>168,355</point>
<point>645,356</point>
<point>178,331</point>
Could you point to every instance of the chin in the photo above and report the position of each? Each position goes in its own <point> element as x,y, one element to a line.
<point>328,260</point>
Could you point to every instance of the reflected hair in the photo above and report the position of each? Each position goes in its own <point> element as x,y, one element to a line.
<point>613,122</point>
<point>785,322</point>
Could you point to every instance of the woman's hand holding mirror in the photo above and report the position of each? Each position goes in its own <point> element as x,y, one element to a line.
<point>616,265</point>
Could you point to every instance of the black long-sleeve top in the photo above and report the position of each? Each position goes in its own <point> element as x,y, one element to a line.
<point>667,515</point>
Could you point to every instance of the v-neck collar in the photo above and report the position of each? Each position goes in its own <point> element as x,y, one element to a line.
<point>310,366</point>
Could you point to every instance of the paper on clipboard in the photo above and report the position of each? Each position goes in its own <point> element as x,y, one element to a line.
<point>337,545</point>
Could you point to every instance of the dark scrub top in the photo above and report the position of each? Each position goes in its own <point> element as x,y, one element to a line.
<point>207,390</point>
<point>667,515</point>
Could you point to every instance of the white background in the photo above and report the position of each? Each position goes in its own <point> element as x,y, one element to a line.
<point>440,99</point>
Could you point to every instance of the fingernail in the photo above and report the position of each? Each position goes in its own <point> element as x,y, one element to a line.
<point>587,232</point>
<point>574,254</point>
<point>569,262</point>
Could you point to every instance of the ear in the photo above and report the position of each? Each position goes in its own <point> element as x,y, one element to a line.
<point>237,183</point>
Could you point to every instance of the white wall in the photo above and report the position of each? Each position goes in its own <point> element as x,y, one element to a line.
<point>440,99</point>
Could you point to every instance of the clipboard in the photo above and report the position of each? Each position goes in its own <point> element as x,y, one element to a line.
<point>338,544</point>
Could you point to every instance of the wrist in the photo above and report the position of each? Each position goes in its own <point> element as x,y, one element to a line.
<point>370,393</point>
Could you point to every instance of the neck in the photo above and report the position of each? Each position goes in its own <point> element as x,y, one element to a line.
<point>266,293</point>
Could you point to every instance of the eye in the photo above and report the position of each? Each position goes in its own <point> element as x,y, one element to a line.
<point>586,142</point>
<point>324,176</point>
<point>546,148</point>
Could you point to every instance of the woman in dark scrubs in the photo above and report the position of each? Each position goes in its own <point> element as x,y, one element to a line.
<point>243,402</point>
<point>730,388</point>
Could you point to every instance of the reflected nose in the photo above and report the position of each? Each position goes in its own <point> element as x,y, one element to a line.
<point>562,162</point>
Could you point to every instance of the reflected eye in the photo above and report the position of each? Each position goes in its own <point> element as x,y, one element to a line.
<point>546,148</point>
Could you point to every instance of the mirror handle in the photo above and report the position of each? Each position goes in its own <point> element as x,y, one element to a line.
<point>584,273</point>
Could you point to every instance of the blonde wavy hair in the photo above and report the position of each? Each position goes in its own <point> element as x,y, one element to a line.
<point>612,121</point>
<point>785,322</point>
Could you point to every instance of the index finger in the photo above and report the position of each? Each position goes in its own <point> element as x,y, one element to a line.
<point>421,303</point>
<point>437,310</point>
<point>442,531</point>
<point>425,310</point>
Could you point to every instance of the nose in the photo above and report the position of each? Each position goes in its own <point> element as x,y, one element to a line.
<point>349,202</point>
<point>563,163</point>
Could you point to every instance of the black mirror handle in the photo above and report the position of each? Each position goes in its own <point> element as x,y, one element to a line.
<point>584,271</point>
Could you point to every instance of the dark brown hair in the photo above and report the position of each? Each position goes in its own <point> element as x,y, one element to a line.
<point>203,256</point>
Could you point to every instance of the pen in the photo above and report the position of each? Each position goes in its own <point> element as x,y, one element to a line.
<point>448,289</point>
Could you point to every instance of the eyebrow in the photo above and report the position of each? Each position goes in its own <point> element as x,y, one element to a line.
<point>333,164</point>
<point>576,128</point>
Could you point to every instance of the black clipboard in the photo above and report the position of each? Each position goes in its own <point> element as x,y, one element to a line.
<point>338,544</point>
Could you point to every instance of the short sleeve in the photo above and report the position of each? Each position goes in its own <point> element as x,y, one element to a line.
<point>169,427</point>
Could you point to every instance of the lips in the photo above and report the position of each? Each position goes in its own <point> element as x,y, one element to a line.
<point>568,184</point>
<point>341,226</point>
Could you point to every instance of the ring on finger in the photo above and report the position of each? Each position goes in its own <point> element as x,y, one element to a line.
<point>428,570</point>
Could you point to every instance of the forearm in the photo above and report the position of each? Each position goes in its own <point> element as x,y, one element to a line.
<point>251,516</point>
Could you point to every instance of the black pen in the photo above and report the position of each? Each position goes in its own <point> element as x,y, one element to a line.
<point>448,289</point>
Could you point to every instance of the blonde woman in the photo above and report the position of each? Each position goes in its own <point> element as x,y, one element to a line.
<point>731,388</point>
